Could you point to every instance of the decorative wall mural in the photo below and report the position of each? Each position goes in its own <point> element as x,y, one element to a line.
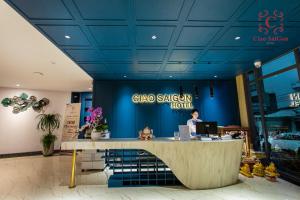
<point>22,103</point>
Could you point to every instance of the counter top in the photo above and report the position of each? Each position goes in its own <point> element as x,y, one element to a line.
<point>160,139</point>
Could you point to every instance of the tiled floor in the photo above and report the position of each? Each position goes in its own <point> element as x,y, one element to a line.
<point>39,178</point>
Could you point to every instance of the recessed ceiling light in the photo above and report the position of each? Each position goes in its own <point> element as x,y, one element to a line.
<point>237,38</point>
<point>170,76</point>
<point>154,37</point>
<point>215,76</point>
<point>124,76</point>
<point>67,37</point>
<point>90,88</point>
<point>18,85</point>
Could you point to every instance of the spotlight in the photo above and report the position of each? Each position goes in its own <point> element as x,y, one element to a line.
<point>181,92</point>
<point>196,92</point>
<point>257,63</point>
<point>211,89</point>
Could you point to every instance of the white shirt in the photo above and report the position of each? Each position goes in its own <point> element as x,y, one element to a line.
<point>192,125</point>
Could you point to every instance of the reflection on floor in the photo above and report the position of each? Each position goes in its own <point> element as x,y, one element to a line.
<point>39,178</point>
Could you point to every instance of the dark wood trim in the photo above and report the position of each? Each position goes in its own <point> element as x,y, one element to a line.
<point>94,93</point>
<point>289,177</point>
<point>249,109</point>
<point>297,58</point>
<point>24,154</point>
<point>260,93</point>
<point>278,72</point>
<point>275,73</point>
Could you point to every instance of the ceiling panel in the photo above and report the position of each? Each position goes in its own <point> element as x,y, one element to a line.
<point>293,35</point>
<point>213,10</point>
<point>106,76</point>
<point>110,35</point>
<point>184,55</point>
<point>246,35</point>
<point>183,76</point>
<point>163,35</point>
<point>117,55</point>
<point>43,9</point>
<point>135,76</point>
<point>103,9</point>
<point>219,70</point>
<point>184,39</point>
<point>295,15</point>
<point>203,67</point>
<point>151,55</point>
<point>251,55</point>
<point>196,36</point>
<point>176,67</point>
<point>160,10</point>
<point>149,67</point>
<point>95,67</point>
<point>120,68</point>
<point>59,33</point>
<point>219,55</point>
<point>84,55</point>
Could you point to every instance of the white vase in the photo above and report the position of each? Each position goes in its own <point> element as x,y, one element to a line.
<point>95,135</point>
<point>107,135</point>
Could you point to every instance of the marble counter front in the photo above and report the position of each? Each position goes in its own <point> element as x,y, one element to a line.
<point>196,164</point>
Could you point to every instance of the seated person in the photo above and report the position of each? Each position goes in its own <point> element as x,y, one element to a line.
<point>192,122</point>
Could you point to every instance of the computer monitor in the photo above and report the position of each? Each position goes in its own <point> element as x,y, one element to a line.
<point>207,128</point>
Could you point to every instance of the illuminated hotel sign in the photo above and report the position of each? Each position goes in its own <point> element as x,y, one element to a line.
<point>176,102</point>
<point>295,99</point>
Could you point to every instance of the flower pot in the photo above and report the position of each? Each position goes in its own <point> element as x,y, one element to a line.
<point>106,135</point>
<point>95,135</point>
<point>48,151</point>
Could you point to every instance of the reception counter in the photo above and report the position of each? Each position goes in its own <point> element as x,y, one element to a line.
<point>196,164</point>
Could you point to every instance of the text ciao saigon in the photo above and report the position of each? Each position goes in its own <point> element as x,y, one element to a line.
<point>175,100</point>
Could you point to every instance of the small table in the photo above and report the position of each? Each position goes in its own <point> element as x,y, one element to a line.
<point>244,131</point>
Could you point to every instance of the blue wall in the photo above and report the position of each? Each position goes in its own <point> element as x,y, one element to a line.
<point>126,118</point>
<point>86,102</point>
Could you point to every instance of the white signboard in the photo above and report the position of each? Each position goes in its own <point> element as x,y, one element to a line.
<point>71,122</point>
<point>295,99</point>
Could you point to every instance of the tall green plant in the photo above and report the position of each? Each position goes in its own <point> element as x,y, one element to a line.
<point>48,123</point>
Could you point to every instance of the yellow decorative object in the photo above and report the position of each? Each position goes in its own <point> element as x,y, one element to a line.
<point>245,170</point>
<point>258,169</point>
<point>146,134</point>
<point>73,170</point>
<point>271,172</point>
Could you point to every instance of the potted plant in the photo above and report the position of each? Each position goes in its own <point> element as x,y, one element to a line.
<point>98,124</point>
<point>48,123</point>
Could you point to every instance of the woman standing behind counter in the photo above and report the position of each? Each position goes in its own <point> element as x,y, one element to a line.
<point>192,122</point>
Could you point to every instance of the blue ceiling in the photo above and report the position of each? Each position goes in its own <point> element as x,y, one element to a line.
<point>195,38</point>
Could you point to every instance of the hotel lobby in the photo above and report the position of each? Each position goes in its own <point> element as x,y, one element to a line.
<point>150,99</point>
